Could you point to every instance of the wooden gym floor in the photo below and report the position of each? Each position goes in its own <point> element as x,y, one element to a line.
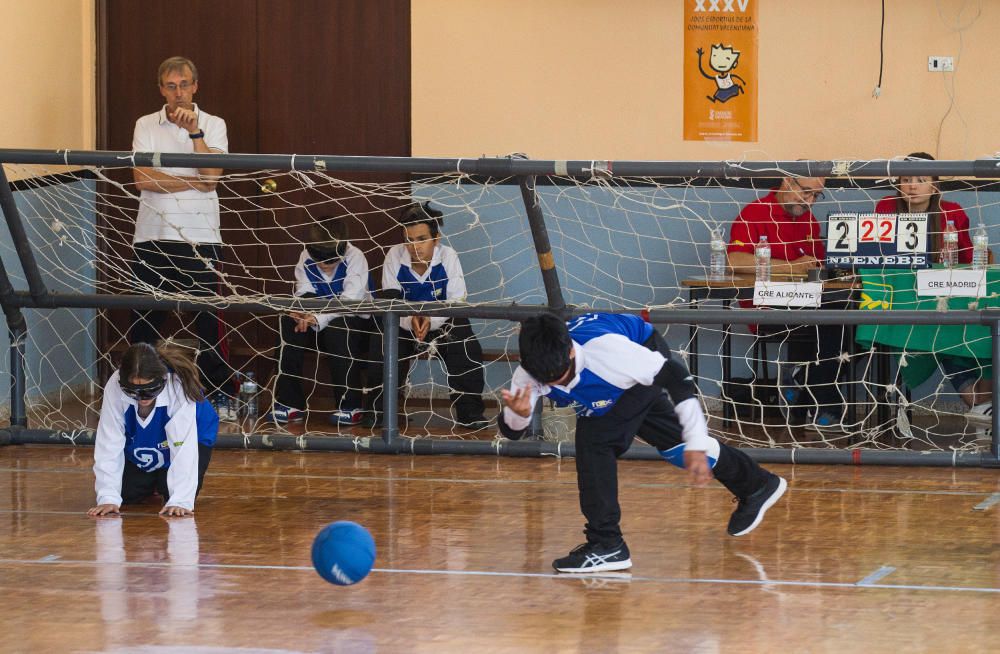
<point>850,560</point>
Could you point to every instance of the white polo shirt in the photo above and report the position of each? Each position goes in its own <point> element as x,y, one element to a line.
<point>191,216</point>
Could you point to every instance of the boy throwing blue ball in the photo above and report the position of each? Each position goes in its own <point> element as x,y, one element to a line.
<point>614,368</point>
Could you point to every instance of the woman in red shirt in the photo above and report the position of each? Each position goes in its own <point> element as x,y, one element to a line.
<point>921,195</point>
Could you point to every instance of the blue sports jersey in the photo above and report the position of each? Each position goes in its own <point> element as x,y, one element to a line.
<point>598,387</point>
<point>146,445</point>
<point>207,421</point>
<point>434,288</point>
<point>332,288</point>
<point>609,358</point>
<point>592,325</point>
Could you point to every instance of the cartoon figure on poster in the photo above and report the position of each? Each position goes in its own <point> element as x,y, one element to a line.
<point>722,60</point>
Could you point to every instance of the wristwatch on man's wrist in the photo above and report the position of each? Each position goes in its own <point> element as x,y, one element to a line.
<point>200,134</point>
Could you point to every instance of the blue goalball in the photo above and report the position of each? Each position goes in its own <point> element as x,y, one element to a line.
<point>343,553</point>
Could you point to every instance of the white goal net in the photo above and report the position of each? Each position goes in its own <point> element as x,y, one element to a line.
<point>618,243</point>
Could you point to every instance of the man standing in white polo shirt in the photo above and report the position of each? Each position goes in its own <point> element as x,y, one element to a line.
<point>177,241</point>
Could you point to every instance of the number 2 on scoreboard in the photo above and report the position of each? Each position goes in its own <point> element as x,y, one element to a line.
<point>877,228</point>
<point>843,233</point>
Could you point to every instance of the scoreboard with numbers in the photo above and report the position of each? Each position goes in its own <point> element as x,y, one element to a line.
<point>881,240</point>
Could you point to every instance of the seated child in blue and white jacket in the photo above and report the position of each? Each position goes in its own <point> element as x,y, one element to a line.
<point>328,267</point>
<point>424,270</point>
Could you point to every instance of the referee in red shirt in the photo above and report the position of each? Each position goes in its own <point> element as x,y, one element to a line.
<point>785,217</point>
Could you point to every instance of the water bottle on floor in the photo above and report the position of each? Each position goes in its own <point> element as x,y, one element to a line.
<point>718,264</point>
<point>248,401</point>
<point>949,245</point>
<point>762,259</point>
<point>980,248</point>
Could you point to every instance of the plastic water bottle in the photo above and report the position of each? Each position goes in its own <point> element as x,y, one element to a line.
<point>949,245</point>
<point>762,259</point>
<point>248,400</point>
<point>718,263</point>
<point>980,248</point>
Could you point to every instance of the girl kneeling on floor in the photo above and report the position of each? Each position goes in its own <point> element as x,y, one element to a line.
<point>155,433</point>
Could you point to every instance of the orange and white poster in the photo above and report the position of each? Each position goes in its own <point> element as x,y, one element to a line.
<point>720,70</point>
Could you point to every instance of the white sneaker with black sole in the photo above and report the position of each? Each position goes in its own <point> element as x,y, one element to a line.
<point>981,417</point>
<point>981,414</point>
<point>224,406</point>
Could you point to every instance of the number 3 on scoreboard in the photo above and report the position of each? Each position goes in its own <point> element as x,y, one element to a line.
<point>912,235</point>
<point>842,232</point>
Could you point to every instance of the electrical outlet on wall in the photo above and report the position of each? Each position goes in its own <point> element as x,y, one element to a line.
<point>937,64</point>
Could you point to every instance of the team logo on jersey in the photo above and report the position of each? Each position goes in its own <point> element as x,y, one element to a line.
<point>588,317</point>
<point>149,458</point>
<point>602,404</point>
<point>438,292</point>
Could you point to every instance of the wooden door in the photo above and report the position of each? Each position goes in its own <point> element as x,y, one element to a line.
<point>288,76</point>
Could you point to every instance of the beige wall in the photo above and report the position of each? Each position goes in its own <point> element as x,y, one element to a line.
<point>600,79</point>
<point>48,100</point>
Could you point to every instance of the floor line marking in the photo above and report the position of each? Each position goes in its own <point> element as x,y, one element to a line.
<point>537,575</point>
<point>988,502</point>
<point>884,571</point>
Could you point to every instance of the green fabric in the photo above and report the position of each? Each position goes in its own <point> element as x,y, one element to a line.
<point>887,290</point>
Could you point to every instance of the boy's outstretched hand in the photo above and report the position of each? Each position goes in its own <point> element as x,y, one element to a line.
<point>696,463</point>
<point>519,402</point>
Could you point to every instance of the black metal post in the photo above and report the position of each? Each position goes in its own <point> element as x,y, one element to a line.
<point>512,311</point>
<point>504,167</point>
<point>24,253</point>
<point>535,429</point>
<point>995,444</point>
<point>522,448</point>
<point>390,377</point>
<point>18,330</point>
<point>550,276</point>
<point>543,248</point>
<point>18,336</point>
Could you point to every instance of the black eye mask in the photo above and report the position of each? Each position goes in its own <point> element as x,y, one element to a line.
<point>321,254</point>
<point>142,391</point>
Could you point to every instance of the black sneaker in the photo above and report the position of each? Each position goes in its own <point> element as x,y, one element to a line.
<point>752,508</point>
<point>589,557</point>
